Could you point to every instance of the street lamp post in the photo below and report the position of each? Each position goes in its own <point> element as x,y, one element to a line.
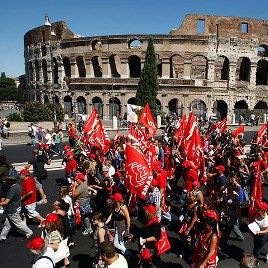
<point>52,33</point>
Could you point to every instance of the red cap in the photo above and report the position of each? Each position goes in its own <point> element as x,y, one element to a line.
<point>51,217</point>
<point>220,168</point>
<point>24,172</point>
<point>154,182</point>
<point>117,197</point>
<point>67,147</point>
<point>150,208</point>
<point>262,205</point>
<point>70,153</point>
<point>36,243</point>
<point>196,184</point>
<point>211,214</point>
<point>80,176</point>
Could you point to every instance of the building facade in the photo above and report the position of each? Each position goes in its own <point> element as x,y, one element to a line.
<point>210,64</point>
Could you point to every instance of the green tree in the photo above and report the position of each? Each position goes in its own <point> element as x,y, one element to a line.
<point>148,85</point>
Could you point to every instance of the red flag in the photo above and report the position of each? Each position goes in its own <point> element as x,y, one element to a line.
<point>191,124</point>
<point>139,176</point>
<point>91,121</point>
<point>262,131</point>
<point>222,125</point>
<point>179,133</point>
<point>194,152</point>
<point>101,137</point>
<point>240,130</point>
<point>148,120</point>
<point>138,137</point>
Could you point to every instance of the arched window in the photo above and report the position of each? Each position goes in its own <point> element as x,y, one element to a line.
<point>222,68</point>
<point>199,68</point>
<point>56,71</point>
<point>199,108</point>
<point>176,67</point>
<point>173,106</point>
<point>262,73</point>
<point>43,50</point>
<point>31,71</point>
<point>239,110</point>
<point>81,105</point>
<point>44,69</point>
<point>81,66</point>
<point>37,72</point>
<point>67,66</point>
<point>134,66</point>
<point>134,43</point>
<point>243,69</point>
<point>96,45</point>
<point>221,109</point>
<point>132,101</point>
<point>97,103</point>
<point>97,66</point>
<point>114,107</point>
<point>262,51</point>
<point>115,64</point>
<point>68,106</point>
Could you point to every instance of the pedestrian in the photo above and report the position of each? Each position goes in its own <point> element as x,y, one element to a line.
<point>12,204</point>
<point>32,131</point>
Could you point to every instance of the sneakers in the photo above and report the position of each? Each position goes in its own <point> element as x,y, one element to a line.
<point>87,232</point>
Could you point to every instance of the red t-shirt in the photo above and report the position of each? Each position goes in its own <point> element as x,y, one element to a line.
<point>71,166</point>
<point>29,185</point>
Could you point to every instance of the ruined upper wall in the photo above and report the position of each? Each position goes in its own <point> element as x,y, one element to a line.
<point>223,26</point>
<point>42,34</point>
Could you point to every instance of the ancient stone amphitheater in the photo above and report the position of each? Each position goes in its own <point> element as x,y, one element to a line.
<point>209,64</point>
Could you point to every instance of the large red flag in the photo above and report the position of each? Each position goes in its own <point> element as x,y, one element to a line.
<point>138,137</point>
<point>222,125</point>
<point>194,152</point>
<point>262,130</point>
<point>139,175</point>
<point>239,130</point>
<point>179,133</point>
<point>191,124</point>
<point>92,121</point>
<point>148,120</point>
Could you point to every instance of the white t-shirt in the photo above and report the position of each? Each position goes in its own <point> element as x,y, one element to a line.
<point>119,263</point>
<point>263,223</point>
<point>48,139</point>
<point>68,200</point>
<point>44,262</point>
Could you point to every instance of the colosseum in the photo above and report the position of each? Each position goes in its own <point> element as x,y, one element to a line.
<point>209,64</point>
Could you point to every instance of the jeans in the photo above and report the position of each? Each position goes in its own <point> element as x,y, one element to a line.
<point>87,223</point>
<point>15,219</point>
<point>259,242</point>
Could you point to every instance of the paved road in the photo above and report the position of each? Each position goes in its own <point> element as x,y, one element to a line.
<point>13,252</point>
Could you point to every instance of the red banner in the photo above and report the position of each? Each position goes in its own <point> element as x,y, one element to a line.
<point>138,137</point>
<point>262,131</point>
<point>92,121</point>
<point>147,120</point>
<point>240,130</point>
<point>139,176</point>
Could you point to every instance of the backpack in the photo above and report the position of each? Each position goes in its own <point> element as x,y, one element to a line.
<point>13,173</point>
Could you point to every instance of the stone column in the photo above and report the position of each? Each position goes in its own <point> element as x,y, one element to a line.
<point>74,70</point>
<point>61,72</point>
<point>166,68</point>
<point>106,70</point>
<point>253,72</point>
<point>41,75</point>
<point>211,71</point>
<point>124,68</point>
<point>89,68</point>
<point>232,75</point>
<point>187,69</point>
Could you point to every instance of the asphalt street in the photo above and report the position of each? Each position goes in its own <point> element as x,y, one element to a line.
<point>13,253</point>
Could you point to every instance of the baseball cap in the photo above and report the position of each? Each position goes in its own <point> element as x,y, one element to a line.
<point>211,214</point>
<point>36,243</point>
<point>117,197</point>
<point>24,172</point>
<point>51,217</point>
<point>80,176</point>
<point>150,208</point>
<point>220,168</point>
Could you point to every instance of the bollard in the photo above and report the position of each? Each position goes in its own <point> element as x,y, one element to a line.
<point>264,118</point>
<point>115,122</point>
<point>158,121</point>
<point>233,119</point>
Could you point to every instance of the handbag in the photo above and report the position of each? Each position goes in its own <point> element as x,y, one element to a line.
<point>85,208</point>
<point>163,244</point>
<point>145,254</point>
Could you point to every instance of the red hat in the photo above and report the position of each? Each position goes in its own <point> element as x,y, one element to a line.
<point>51,217</point>
<point>154,182</point>
<point>220,168</point>
<point>196,184</point>
<point>211,214</point>
<point>70,153</point>
<point>80,176</point>
<point>150,208</point>
<point>24,172</point>
<point>262,205</point>
<point>117,197</point>
<point>67,147</point>
<point>36,243</point>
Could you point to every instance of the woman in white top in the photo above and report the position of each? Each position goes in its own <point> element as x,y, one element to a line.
<point>64,192</point>
<point>261,237</point>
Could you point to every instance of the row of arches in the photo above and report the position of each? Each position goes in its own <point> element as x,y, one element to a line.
<point>199,68</point>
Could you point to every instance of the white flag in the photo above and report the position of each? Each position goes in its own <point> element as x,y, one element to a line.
<point>131,113</point>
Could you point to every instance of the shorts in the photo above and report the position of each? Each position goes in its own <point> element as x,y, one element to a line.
<point>30,210</point>
<point>38,184</point>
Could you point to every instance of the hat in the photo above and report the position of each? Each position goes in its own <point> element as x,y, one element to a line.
<point>36,243</point>
<point>150,208</point>
<point>67,147</point>
<point>220,168</point>
<point>24,172</point>
<point>211,214</point>
<point>69,153</point>
<point>105,169</point>
<point>154,182</point>
<point>80,176</point>
<point>117,197</point>
<point>262,205</point>
<point>196,184</point>
<point>51,217</point>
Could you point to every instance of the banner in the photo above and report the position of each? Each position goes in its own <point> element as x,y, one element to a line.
<point>147,120</point>
<point>132,116</point>
<point>139,176</point>
<point>138,137</point>
<point>240,130</point>
<point>91,122</point>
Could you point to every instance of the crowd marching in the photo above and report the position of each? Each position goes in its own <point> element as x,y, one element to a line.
<point>112,183</point>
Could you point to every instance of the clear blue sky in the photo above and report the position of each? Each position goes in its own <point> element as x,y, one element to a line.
<point>96,17</point>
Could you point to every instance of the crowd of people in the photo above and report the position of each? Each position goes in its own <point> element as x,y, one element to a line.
<point>202,203</point>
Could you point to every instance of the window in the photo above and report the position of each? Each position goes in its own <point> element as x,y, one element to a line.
<point>200,26</point>
<point>244,27</point>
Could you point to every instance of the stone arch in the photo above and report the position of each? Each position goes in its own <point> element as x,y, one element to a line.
<point>158,65</point>
<point>114,107</point>
<point>262,50</point>
<point>56,71</point>
<point>81,105</point>
<point>97,103</point>
<point>243,69</point>
<point>81,66</point>
<point>43,50</point>
<point>262,73</point>
<point>44,69</point>
<point>221,109</point>
<point>37,70</point>
<point>115,64</point>
<point>134,43</point>
<point>134,63</point>
<point>261,109</point>
<point>97,66</point>
<point>159,104</point>
<point>68,105</point>
<point>199,108</point>
<point>176,66</point>
<point>222,68</point>
<point>199,68</point>
<point>67,66</point>
<point>31,71</point>
<point>132,101</point>
<point>57,100</point>
<point>173,106</point>
<point>239,109</point>
<point>96,45</point>
<point>46,99</point>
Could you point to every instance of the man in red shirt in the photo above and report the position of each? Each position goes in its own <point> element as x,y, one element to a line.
<point>28,195</point>
<point>71,166</point>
